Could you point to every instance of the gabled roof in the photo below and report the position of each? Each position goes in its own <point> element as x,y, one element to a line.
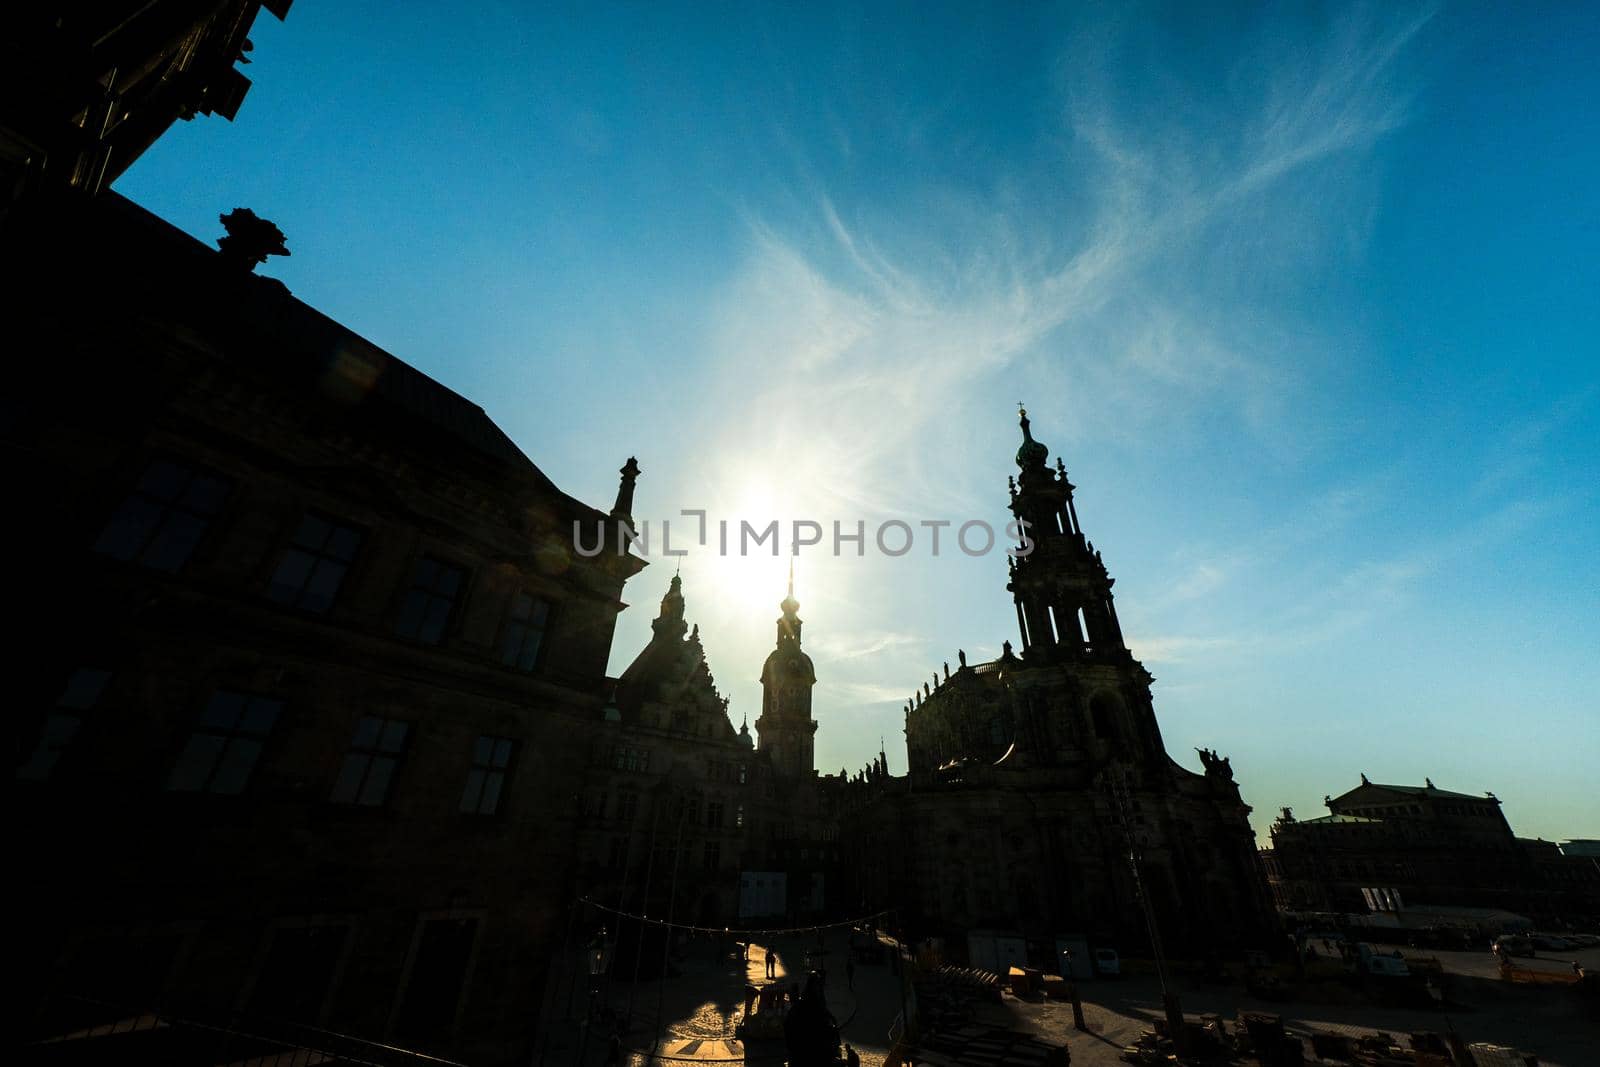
<point>1426,791</point>
<point>1430,791</point>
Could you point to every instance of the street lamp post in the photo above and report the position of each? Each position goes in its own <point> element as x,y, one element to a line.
<point>596,958</point>
<point>1072,991</point>
<point>1117,779</point>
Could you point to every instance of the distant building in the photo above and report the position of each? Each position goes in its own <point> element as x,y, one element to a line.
<point>1422,845</point>
<point>1032,775</point>
<point>1581,848</point>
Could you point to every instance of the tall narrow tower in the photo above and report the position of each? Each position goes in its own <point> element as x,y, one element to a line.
<point>1061,588</point>
<point>785,727</point>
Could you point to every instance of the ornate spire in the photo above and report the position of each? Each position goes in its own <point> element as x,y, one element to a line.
<point>790,605</point>
<point>623,508</point>
<point>789,624</point>
<point>670,622</point>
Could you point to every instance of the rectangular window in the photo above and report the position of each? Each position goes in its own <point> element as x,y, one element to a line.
<point>628,758</point>
<point>738,815</point>
<point>435,586</point>
<point>713,855</point>
<point>370,764</point>
<point>490,758</point>
<point>163,519</point>
<point>618,852</point>
<point>714,814</point>
<point>524,632</point>
<point>627,806</point>
<point>314,564</point>
<point>82,692</point>
<point>222,751</point>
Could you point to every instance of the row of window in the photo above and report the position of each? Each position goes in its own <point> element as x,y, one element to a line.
<point>225,744</point>
<point>162,521</point>
<point>713,814</point>
<point>720,771</point>
<point>618,852</point>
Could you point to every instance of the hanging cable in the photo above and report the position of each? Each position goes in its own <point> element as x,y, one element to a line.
<point>810,928</point>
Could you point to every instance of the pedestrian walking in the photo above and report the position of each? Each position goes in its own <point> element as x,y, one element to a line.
<point>851,1057</point>
<point>772,964</point>
<point>850,972</point>
<point>614,1052</point>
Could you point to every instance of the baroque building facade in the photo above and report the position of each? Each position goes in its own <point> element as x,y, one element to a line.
<point>1411,847</point>
<point>309,643</point>
<point>1033,776</point>
<point>85,89</point>
<point>685,816</point>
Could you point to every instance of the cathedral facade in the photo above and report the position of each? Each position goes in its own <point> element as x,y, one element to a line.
<point>683,815</point>
<point>1040,800</point>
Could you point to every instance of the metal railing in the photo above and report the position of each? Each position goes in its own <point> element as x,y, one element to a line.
<point>87,1030</point>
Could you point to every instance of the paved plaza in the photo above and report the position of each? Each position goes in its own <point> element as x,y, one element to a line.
<point>702,1004</point>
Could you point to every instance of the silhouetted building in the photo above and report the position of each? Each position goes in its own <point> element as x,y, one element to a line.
<point>1420,845</point>
<point>86,88</point>
<point>1029,774</point>
<point>683,815</point>
<point>307,648</point>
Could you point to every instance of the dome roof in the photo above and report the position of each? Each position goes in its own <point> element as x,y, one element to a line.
<point>1032,453</point>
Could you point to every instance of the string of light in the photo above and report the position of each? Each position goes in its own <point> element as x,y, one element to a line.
<point>772,932</point>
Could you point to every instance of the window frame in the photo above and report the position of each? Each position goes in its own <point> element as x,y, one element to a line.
<point>513,658</point>
<point>73,711</point>
<point>159,531</point>
<point>430,594</point>
<point>235,736</point>
<point>320,556</point>
<point>497,770</point>
<point>373,752</point>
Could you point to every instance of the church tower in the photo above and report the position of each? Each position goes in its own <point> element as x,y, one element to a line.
<point>1061,588</point>
<point>785,728</point>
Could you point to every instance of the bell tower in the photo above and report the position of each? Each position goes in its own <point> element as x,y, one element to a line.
<point>785,727</point>
<point>1061,588</point>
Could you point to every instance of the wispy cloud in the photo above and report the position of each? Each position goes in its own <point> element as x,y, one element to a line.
<point>849,350</point>
<point>867,335</point>
<point>848,645</point>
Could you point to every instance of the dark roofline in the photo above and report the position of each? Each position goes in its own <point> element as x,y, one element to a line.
<point>1415,791</point>
<point>267,306</point>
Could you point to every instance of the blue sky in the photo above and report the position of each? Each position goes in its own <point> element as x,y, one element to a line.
<point>1306,297</point>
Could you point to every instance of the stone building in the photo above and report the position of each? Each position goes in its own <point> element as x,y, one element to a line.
<point>683,815</point>
<point>86,88</point>
<point>1420,845</point>
<point>1029,775</point>
<point>307,646</point>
